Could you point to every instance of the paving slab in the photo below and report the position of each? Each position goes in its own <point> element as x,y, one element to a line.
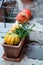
<point>34,50</point>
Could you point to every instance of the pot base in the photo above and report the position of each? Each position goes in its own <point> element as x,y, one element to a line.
<point>21,56</point>
<point>13,59</point>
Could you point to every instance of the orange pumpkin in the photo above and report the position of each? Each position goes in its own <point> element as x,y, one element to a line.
<point>23,16</point>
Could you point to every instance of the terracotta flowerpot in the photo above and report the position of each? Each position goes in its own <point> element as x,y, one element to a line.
<point>12,51</point>
<point>26,1</point>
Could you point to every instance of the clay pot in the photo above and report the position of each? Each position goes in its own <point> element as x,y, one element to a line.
<point>12,51</point>
<point>26,1</point>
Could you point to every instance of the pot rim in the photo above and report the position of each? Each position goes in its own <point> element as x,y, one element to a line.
<point>14,45</point>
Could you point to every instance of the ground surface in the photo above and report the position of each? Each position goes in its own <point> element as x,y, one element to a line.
<point>34,51</point>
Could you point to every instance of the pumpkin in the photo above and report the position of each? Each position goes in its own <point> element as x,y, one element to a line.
<point>24,16</point>
<point>16,39</point>
<point>13,28</point>
<point>11,39</point>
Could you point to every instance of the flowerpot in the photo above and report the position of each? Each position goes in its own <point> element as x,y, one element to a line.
<point>26,1</point>
<point>13,51</point>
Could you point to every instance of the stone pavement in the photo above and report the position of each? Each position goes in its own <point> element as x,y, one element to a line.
<point>34,50</point>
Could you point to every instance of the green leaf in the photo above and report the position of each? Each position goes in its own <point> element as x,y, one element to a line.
<point>2,37</point>
<point>33,26</point>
